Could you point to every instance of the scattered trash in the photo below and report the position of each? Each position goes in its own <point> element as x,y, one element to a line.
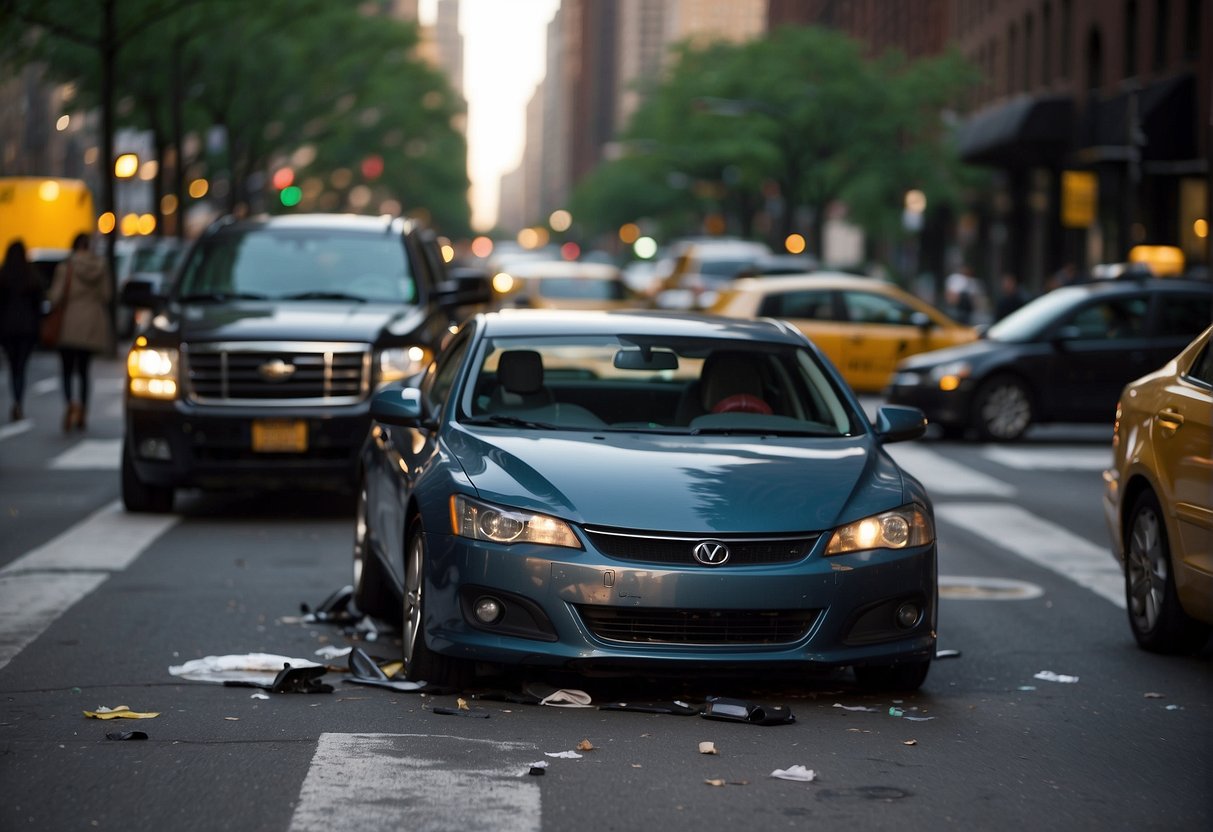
<point>567,698</point>
<point>919,718</point>
<point>332,651</point>
<point>1026,687</point>
<point>120,712</point>
<point>736,710</point>
<point>715,782</point>
<point>708,748</point>
<point>947,654</point>
<point>1153,695</point>
<point>366,671</point>
<point>585,745</point>
<point>676,707</point>
<point>896,712</point>
<point>248,667</point>
<point>468,712</point>
<point>232,718</point>
<point>538,769</point>
<point>290,680</point>
<point>260,696</point>
<point>859,730</point>
<point>863,708</point>
<point>798,773</point>
<point>334,608</point>
<point>126,735</point>
<point>1175,707</point>
<point>909,742</point>
<point>563,755</point>
<point>1050,676</point>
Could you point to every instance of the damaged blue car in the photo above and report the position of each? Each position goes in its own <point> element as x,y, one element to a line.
<point>635,492</point>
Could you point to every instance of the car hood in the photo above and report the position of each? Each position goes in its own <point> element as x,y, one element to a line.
<point>969,351</point>
<point>700,484</point>
<point>286,320</point>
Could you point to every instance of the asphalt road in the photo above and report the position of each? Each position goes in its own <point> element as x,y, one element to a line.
<point>95,606</point>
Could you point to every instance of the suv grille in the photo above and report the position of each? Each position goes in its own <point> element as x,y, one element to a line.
<point>277,373</point>
<point>663,547</point>
<point>673,626</point>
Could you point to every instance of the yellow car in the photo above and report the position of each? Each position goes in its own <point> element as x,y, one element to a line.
<point>561,284</point>
<point>1158,500</point>
<point>863,325</point>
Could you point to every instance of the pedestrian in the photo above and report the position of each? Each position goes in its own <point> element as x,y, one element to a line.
<point>1011,298</point>
<point>962,294</point>
<point>82,284</point>
<point>20,310</point>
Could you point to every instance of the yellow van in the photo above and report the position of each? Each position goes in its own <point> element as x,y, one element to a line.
<point>44,212</point>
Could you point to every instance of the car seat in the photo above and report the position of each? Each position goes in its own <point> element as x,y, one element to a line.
<point>520,382</point>
<point>729,382</point>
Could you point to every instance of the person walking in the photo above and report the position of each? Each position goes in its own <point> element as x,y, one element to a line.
<point>20,310</point>
<point>1013,296</point>
<point>82,283</point>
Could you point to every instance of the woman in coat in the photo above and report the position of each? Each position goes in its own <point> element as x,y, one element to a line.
<point>83,283</point>
<point>20,311</point>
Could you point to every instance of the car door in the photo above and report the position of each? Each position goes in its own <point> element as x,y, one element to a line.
<point>881,331</point>
<point>816,313</point>
<point>1098,348</point>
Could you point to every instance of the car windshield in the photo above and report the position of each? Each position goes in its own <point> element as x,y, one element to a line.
<point>654,384</point>
<point>306,265</point>
<point>1027,322</point>
<point>580,288</point>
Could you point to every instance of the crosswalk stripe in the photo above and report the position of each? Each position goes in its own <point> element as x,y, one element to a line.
<point>1041,542</point>
<point>1050,459</point>
<point>403,781</point>
<point>942,476</point>
<point>15,429</point>
<point>90,454</point>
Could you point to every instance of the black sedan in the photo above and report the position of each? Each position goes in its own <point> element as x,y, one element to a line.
<point>1064,357</point>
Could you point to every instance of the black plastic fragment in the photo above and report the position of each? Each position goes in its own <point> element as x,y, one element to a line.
<point>126,735</point>
<point>738,710</point>
<point>290,680</point>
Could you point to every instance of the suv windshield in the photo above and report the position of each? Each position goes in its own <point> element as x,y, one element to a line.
<point>303,265</point>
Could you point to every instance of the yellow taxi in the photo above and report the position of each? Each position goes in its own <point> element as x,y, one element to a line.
<point>864,326</point>
<point>561,284</point>
<point>1158,500</point>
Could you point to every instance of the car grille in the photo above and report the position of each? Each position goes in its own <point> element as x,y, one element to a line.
<point>277,373</point>
<point>674,626</point>
<point>662,547</point>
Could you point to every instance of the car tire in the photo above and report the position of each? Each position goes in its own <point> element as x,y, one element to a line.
<point>138,496</point>
<point>370,594</point>
<point>906,677</point>
<point>1156,617</point>
<point>1002,409</point>
<point>420,663</point>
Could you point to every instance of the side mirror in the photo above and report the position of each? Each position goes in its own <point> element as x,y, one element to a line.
<point>921,320</point>
<point>897,424</point>
<point>399,406</point>
<point>140,294</point>
<point>464,286</point>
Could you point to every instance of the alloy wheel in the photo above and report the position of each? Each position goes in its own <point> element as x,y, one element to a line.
<point>413,582</point>
<point>1005,410</point>
<point>1146,563</point>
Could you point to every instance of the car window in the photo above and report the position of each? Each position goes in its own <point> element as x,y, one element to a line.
<point>579,288</point>
<point>1109,319</point>
<point>1202,367</point>
<point>870,308</point>
<point>277,264</point>
<point>816,304</point>
<point>1183,314</point>
<point>438,381</point>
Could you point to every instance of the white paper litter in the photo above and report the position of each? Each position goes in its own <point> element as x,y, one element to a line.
<point>259,696</point>
<point>919,718</point>
<point>798,773</point>
<point>1050,676</point>
<point>332,651</point>
<point>567,698</point>
<point>563,755</point>
<point>249,667</point>
<point>540,764</point>
<point>855,708</point>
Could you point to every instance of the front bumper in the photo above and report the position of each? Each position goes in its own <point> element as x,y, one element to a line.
<point>584,610</point>
<point>952,408</point>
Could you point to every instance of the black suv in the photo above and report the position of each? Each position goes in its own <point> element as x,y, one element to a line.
<point>258,365</point>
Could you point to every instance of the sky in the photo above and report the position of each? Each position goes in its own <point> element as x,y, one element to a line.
<point>504,54</point>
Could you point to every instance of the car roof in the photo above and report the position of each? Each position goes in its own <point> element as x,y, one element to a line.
<point>813,280</point>
<point>513,322</point>
<point>327,222</point>
<point>563,268</point>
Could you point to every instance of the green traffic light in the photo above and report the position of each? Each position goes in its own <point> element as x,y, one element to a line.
<point>291,196</point>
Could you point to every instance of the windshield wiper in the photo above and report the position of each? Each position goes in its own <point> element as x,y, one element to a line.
<point>220,297</point>
<point>497,420</point>
<point>319,295</point>
<point>735,431</point>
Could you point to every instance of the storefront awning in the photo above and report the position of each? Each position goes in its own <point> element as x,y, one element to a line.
<point>1025,131</point>
<point>1165,113</point>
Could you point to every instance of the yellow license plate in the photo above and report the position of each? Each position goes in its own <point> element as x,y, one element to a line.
<point>277,436</point>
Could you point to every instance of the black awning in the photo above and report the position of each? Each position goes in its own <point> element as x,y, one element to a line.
<point>1027,130</point>
<point>1166,117</point>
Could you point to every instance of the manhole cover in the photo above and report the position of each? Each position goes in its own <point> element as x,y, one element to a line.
<point>987,589</point>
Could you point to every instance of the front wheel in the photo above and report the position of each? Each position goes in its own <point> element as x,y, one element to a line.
<point>138,496</point>
<point>1002,410</point>
<point>420,663</point>
<point>906,677</point>
<point>1159,622</point>
<point>370,596</point>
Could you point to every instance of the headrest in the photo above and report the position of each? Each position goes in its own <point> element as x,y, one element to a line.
<point>521,371</point>
<point>729,374</point>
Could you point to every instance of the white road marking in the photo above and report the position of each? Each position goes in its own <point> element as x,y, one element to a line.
<point>15,429</point>
<point>942,476</point>
<point>42,584</point>
<point>402,781</point>
<point>90,454</point>
<point>1051,459</point>
<point>1041,542</point>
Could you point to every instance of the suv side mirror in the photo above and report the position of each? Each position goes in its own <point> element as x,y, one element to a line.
<point>896,424</point>
<point>464,286</point>
<point>140,294</point>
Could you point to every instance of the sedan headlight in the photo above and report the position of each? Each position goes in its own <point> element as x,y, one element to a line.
<point>396,363</point>
<point>481,521</point>
<point>152,372</point>
<point>948,376</point>
<point>896,529</point>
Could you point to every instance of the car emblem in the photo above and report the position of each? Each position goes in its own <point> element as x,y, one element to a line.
<point>711,552</point>
<point>276,370</point>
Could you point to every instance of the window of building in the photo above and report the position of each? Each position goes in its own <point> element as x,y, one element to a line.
<point>1162,25</point>
<point>1130,38</point>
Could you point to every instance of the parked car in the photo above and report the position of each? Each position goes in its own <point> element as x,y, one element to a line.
<point>1063,357</point>
<point>1158,500</point>
<point>258,366</point>
<point>561,284</point>
<point>621,491</point>
<point>865,326</point>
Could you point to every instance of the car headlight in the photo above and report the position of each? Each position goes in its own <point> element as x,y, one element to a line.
<point>396,363</point>
<point>896,529</point>
<point>907,378</point>
<point>152,372</point>
<point>949,376</point>
<point>481,521</point>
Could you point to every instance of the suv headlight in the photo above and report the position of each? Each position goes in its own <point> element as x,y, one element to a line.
<point>481,521</point>
<point>897,529</point>
<point>396,363</point>
<point>948,376</point>
<point>152,372</point>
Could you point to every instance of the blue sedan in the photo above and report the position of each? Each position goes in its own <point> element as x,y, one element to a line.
<point>644,491</point>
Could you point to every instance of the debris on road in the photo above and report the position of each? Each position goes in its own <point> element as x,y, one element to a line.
<point>567,698</point>
<point>1050,676</point>
<point>909,742</point>
<point>331,651</point>
<point>585,745</point>
<point>676,707</point>
<point>126,735</point>
<point>798,773</point>
<point>708,748</point>
<point>120,712</point>
<point>1153,695</point>
<point>366,671</point>
<point>290,680</point>
<point>247,667</point>
<point>563,755</point>
<point>478,713</point>
<point>260,696</point>
<point>737,710</point>
<point>714,782</point>
<point>538,769</point>
<point>947,654</point>
<point>862,708</point>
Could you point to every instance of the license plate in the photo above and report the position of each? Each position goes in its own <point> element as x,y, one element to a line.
<point>277,436</point>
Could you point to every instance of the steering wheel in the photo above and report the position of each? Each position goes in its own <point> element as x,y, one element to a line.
<point>742,403</point>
